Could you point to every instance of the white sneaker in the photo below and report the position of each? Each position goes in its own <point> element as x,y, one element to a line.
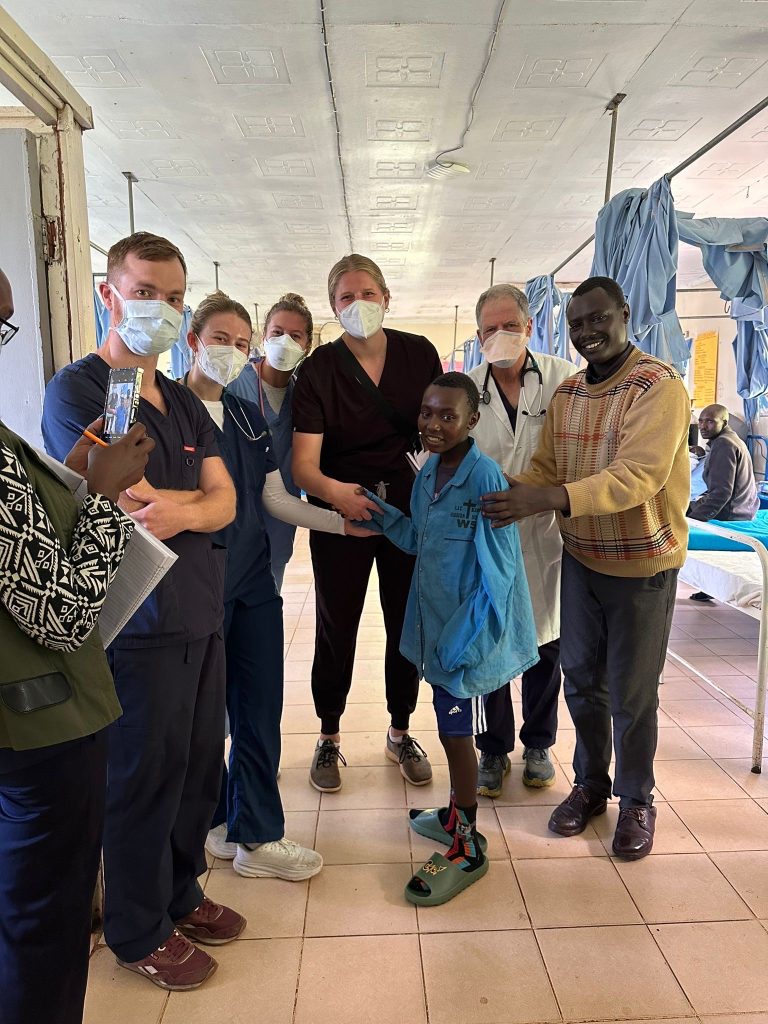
<point>216,844</point>
<point>279,859</point>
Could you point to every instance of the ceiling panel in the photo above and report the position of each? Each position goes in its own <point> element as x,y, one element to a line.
<point>223,111</point>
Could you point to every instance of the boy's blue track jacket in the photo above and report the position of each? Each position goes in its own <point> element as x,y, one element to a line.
<point>468,623</point>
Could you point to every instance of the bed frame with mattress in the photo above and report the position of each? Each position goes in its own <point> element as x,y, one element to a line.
<point>739,576</point>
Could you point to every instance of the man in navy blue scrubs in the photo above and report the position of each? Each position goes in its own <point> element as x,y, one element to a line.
<point>166,752</point>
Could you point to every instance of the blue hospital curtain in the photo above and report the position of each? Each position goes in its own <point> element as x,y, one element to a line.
<point>472,354</point>
<point>102,317</point>
<point>548,307</point>
<point>562,334</point>
<point>733,250</point>
<point>636,241</point>
<point>182,355</point>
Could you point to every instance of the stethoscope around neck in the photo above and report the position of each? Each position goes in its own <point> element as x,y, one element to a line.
<point>530,366</point>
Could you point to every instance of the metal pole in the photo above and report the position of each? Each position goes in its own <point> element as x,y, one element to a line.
<point>613,109</point>
<point>492,261</point>
<point>130,178</point>
<point>216,266</point>
<point>98,249</point>
<point>455,325</point>
<point>256,306</point>
<point>573,255</point>
<point>758,107</point>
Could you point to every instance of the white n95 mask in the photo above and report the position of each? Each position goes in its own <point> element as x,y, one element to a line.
<point>503,348</point>
<point>361,318</point>
<point>283,353</point>
<point>222,363</point>
<point>149,326</point>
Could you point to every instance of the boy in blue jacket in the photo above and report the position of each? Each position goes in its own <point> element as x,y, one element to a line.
<point>468,623</point>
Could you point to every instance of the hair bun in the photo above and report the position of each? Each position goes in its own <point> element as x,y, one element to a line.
<point>292,297</point>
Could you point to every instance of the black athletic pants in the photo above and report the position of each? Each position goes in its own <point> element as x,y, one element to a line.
<point>342,566</point>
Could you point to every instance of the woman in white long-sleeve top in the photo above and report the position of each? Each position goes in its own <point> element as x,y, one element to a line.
<point>249,826</point>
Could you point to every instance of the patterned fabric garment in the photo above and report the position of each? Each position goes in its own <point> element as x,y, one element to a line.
<point>55,596</point>
<point>620,448</point>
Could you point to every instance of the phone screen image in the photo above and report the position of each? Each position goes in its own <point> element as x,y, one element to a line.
<point>121,402</point>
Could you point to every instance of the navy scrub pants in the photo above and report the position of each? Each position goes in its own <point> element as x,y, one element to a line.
<point>51,819</point>
<point>615,631</point>
<point>342,567</point>
<point>541,689</point>
<point>249,801</point>
<point>165,759</point>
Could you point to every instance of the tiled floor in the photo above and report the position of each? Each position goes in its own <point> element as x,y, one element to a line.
<point>557,931</point>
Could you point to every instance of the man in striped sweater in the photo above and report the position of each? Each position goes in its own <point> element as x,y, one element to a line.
<point>613,463</point>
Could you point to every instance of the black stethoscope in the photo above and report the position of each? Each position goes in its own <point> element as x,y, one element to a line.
<point>530,366</point>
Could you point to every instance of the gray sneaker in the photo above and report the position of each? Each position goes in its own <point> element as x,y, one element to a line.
<point>490,774</point>
<point>539,771</point>
<point>414,763</point>
<point>324,771</point>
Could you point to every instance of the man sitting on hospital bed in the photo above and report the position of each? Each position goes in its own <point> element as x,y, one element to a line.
<point>730,491</point>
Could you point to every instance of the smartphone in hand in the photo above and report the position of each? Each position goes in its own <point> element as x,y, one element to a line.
<point>122,402</point>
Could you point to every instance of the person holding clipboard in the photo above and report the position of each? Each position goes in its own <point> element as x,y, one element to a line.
<point>57,699</point>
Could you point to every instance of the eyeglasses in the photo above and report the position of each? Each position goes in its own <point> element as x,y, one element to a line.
<point>7,331</point>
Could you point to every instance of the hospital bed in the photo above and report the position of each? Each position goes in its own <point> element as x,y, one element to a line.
<point>734,570</point>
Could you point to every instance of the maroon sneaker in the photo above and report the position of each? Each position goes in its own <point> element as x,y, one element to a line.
<point>177,965</point>
<point>212,924</point>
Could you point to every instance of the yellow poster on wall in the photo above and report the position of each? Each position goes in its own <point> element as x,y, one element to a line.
<point>705,369</point>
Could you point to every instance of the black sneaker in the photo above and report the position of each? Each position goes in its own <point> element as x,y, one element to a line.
<point>539,772</point>
<point>490,774</point>
<point>324,772</point>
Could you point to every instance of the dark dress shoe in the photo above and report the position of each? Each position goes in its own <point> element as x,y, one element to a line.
<point>634,832</point>
<point>571,816</point>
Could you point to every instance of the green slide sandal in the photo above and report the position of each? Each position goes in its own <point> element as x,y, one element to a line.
<point>427,823</point>
<point>443,880</point>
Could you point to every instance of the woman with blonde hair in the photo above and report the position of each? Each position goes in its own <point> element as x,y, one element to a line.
<point>355,409</point>
<point>268,383</point>
<point>249,825</point>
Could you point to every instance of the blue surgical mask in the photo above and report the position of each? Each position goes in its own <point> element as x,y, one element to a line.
<point>149,326</point>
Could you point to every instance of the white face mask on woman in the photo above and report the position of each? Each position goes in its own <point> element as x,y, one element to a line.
<point>222,363</point>
<point>149,326</point>
<point>283,352</point>
<point>361,318</point>
<point>503,348</point>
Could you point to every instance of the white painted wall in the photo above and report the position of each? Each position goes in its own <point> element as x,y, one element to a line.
<point>26,362</point>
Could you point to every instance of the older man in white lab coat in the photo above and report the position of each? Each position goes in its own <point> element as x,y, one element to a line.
<point>515,389</point>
